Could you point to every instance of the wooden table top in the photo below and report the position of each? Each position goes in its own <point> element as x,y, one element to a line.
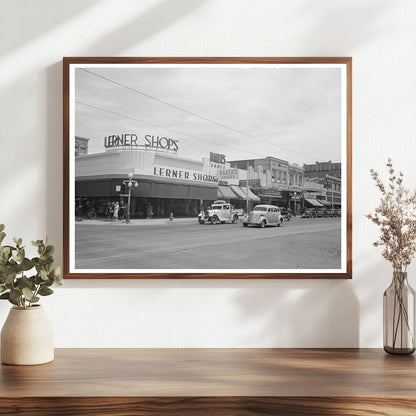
<point>214,372</point>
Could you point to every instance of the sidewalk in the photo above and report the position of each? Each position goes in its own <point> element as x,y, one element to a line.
<point>140,222</point>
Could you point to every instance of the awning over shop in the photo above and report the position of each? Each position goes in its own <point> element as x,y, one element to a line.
<point>241,193</point>
<point>147,189</point>
<point>325,203</point>
<point>224,192</point>
<point>251,195</point>
<point>313,202</point>
<point>167,190</point>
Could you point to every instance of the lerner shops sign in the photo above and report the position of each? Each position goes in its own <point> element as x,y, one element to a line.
<point>128,141</point>
<point>131,140</point>
<point>184,174</point>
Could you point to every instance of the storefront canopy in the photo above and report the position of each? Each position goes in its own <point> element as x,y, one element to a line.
<point>224,192</point>
<point>313,202</point>
<point>147,189</point>
<point>241,193</point>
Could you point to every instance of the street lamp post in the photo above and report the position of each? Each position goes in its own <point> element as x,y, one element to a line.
<point>130,183</point>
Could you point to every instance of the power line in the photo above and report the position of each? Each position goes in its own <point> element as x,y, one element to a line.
<point>162,127</point>
<point>194,114</point>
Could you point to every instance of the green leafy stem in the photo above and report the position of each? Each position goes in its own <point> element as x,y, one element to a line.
<point>16,285</point>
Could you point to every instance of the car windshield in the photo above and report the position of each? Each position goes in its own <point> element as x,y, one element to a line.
<point>260,209</point>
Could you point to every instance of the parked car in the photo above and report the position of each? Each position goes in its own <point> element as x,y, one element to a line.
<point>321,212</point>
<point>332,213</point>
<point>286,213</point>
<point>309,213</point>
<point>220,212</point>
<point>263,215</point>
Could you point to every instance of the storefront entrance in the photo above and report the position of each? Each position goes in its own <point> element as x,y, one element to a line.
<point>152,199</point>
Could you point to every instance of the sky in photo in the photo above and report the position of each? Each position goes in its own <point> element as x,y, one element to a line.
<point>244,112</point>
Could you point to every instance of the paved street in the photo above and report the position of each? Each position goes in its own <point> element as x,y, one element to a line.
<point>184,244</point>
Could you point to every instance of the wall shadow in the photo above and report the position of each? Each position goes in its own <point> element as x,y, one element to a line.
<point>155,19</point>
<point>301,313</point>
<point>336,18</point>
<point>41,16</point>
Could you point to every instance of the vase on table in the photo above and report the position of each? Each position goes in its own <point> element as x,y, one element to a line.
<point>27,337</point>
<point>399,316</point>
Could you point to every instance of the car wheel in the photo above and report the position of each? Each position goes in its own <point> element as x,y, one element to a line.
<point>280,223</point>
<point>245,224</point>
<point>235,219</point>
<point>263,224</point>
<point>214,220</point>
<point>201,221</point>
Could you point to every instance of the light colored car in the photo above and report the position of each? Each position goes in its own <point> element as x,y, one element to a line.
<point>264,215</point>
<point>220,212</point>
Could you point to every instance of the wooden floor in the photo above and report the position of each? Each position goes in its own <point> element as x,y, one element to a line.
<point>212,382</point>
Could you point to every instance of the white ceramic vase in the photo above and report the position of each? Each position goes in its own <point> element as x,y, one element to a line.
<point>27,337</point>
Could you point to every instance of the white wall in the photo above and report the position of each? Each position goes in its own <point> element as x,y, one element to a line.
<point>380,35</point>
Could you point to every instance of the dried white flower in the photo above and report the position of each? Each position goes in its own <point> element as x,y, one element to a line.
<point>396,217</point>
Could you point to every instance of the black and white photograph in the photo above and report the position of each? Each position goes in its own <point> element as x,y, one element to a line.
<point>210,169</point>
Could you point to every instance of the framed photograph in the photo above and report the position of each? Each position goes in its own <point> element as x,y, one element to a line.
<point>207,168</point>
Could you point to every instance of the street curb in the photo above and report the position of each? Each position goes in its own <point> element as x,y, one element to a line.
<point>138,222</point>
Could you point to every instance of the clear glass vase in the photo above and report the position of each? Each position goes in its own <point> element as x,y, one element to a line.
<point>399,316</point>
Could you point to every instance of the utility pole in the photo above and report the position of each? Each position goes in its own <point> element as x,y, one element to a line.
<point>247,189</point>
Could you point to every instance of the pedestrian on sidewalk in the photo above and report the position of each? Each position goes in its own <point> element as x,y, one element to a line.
<point>149,211</point>
<point>122,211</point>
<point>116,208</point>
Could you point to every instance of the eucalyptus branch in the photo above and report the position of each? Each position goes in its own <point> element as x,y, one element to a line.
<point>16,284</point>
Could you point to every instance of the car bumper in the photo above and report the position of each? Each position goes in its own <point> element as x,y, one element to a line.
<point>252,221</point>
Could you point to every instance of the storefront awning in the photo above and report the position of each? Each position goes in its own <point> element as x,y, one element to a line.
<point>147,189</point>
<point>251,195</point>
<point>313,202</point>
<point>224,192</point>
<point>241,193</point>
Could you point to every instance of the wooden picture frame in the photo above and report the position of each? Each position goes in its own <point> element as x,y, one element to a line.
<point>271,131</point>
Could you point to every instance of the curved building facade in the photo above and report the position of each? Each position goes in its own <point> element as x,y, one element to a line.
<point>166,183</point>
